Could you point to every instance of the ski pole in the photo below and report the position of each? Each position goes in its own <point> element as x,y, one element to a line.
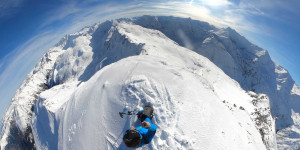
<point>128,113</point>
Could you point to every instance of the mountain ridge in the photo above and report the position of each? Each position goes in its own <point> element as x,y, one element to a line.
<point>110,34</point>
<point>251,64</point>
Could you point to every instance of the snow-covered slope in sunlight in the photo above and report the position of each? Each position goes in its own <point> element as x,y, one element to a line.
<point>17,132</point>
<point>16,122</point>
<point>243,61</point>
<point>210,88</point>
<point>192,111</point>
<point>188,112</point>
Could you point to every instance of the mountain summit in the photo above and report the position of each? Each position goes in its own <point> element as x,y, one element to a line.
<point>210,89</point>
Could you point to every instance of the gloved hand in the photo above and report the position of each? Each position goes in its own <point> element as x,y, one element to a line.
<point>145,124</point>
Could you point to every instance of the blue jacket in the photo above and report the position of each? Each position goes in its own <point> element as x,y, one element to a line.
<point>146,134</point>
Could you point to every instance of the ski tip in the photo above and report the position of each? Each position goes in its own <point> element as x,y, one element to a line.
<point>121,114</point>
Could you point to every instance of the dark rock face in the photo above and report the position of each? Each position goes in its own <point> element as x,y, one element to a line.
<point>17,140</point>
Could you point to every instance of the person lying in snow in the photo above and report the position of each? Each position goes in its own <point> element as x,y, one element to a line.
<point>138,136</point>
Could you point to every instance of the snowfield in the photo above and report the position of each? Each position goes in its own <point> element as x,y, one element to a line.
<point>188,112</point>
<point>210,89</point>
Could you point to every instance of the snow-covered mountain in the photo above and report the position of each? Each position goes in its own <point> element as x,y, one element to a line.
<point>210,88</point>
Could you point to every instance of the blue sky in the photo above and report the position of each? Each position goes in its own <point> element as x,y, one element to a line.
<point>29,28</point>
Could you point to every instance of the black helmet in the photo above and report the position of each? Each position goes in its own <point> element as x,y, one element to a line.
<point>132,138</point>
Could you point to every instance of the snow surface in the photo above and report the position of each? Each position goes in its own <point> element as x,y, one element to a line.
<point>19,112</point>
<point>224,100</point>
<point>184,102</point>
<point>183,87</point>
<point>183,111</point>
<point>248,64</point>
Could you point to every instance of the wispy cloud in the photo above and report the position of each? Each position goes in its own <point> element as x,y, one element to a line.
<point>25,56</point>
<point>15,65</point>
<point>279,10</point>
<point>61,12</point>
<point>216,3</point>
<point>9,7</point>
<point>76,16</point>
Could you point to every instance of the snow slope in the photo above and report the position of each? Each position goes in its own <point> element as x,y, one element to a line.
<point>243,61</point>
<point>248,64</point>
<point>16,125</point>
<point>17,132</point>
<point>183,87</point>
<point>79,86</point>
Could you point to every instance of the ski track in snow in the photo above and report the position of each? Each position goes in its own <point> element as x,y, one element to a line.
<point>146,91</point>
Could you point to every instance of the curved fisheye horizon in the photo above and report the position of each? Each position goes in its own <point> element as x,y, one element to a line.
<point>29,29</point>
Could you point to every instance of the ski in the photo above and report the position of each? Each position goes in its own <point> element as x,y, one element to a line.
<point>126,113</point>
